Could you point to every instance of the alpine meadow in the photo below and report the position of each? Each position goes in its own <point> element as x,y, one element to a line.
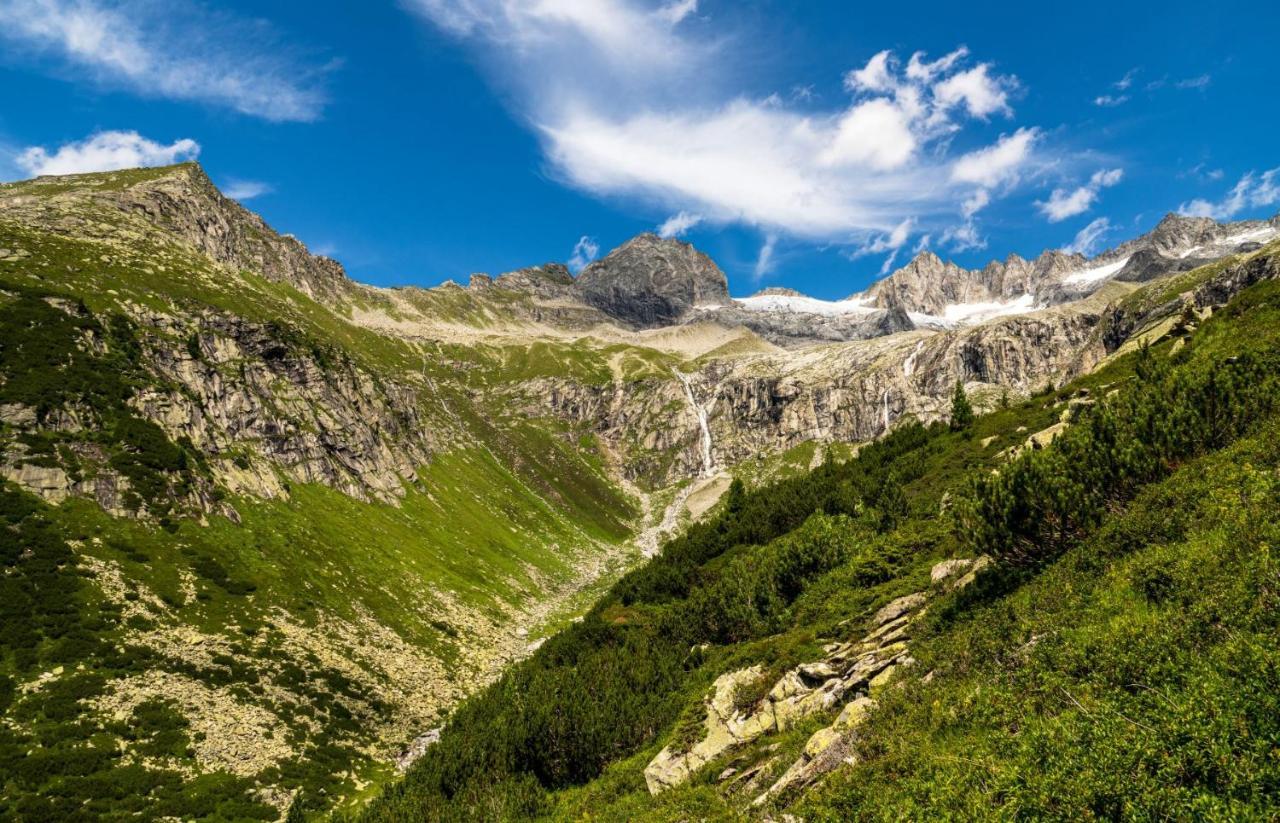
<point>897,438</point>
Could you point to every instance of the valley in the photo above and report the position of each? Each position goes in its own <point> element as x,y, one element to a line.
<point>269,528</point>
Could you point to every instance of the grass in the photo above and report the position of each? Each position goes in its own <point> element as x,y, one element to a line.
<point>509,513</point>
<point>1135,678</point>
<point>1134,675</point>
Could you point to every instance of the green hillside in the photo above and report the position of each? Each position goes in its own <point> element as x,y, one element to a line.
<point>1117,659</point>
<point>184,647</point>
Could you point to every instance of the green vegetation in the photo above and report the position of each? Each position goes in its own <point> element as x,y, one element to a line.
<point>55,763</point>
<point>57,357</point>
<point>1119,661</point>
<point>961,410</point>
<point>200,594</point>
<point>1134,678</point>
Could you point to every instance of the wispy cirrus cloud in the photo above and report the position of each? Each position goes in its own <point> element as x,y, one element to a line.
<point>1201,81</point>
<point>765,261</point>
<point>679,223</point>
<point>1110,101</point>
<point>1253,191</point>
<point>584,251</point>
<point>649,110</point>
<point>105,151</point>
<point>238,189</point>
<point>176,51</point>
<point>1088,241</point>
<point>1064,203</point>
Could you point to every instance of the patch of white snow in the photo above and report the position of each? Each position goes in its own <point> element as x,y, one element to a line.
<point>1096,273</point>
<point>806,305</point>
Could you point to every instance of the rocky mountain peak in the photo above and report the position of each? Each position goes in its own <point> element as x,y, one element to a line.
<point>1177,233</point>
<point>924,261</point>
<point>550,280</point>
<point>651,281</point>
<point>925,284</point>
<point>1054,262</point>
<point>183,202</point>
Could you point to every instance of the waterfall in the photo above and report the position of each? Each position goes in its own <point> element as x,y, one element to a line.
<point>886,410</point>
<point>708,466</point>
<point>909,365</point>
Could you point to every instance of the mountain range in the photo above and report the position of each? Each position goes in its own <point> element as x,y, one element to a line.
<point>274,526</point>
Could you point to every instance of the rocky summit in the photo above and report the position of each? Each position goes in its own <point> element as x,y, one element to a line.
<point>556,544</point>
<point>649,282</point>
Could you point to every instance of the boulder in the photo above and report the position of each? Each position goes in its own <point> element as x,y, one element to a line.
<point>899,607</point>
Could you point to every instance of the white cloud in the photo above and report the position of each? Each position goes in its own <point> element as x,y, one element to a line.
<point>975,203</point>
<point>1110,101</point>
<point>650,110</point>
<point>1088,240</point>
<point>1203,173</point>
<point>106,151</point>
<point>923,71</point>
<point>964,237</point>
<point>891,241</point>
<point>677,10</point>
<point>876,134</point>
<point>1253,191</point>
<point>246,189</point>
<point>617,37</point>
<point>1125,82</point>
<point>584,251</point>
<point>1200,82</point>
<point>765,261</point>
<point>679,223</point>
<point>803,93</point>
<point>744,163</point>
<point>1104,178</point>
<point>1063,203</point>
<point>996,164</point>
<point>876,76</point>
<point>981,93</point>
<point>175,51</point>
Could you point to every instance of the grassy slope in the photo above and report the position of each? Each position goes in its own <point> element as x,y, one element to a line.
<point>1133,676</point>
<point>496,524</point>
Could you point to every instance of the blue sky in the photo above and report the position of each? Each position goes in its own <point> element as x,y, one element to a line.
<point>810,144</point>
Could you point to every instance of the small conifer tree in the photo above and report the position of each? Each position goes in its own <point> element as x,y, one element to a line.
<point>961,411</point>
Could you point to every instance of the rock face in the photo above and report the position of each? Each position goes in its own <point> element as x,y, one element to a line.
<point>928,285</point>
<point>799,328</point>
<point>649,282</point>
<point>551,280</point>
<point>859,668</point>
<point>183,202</point>
<point>851,392</point>
<point>285,413</point>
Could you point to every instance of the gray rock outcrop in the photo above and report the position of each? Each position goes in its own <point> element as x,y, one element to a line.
<point>649,281</point>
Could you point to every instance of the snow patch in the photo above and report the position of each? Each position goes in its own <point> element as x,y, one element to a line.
<point>1096,273</point>
<point>1259,235</point>
<point>960,313</point>
<point>965,314</point>
<point>858,304</point>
